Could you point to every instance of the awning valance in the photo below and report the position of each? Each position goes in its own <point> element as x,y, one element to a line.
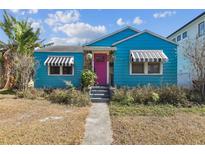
<point>59,61</point>
<point>148,56</point>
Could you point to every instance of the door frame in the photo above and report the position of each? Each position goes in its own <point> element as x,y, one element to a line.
<point>108,63</point>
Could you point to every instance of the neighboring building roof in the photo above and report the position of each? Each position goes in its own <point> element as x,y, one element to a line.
<point>113,33</point>
<point>187,24</point>
<point>145,31</point>
<point>60,48</point>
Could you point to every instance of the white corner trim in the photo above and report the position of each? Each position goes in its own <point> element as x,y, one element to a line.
<point>110,34</point>
<point>145,31</point>
<point>61,72</point>
<point>146,69</point>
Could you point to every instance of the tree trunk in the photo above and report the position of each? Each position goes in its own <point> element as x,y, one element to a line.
<point>7,69</point>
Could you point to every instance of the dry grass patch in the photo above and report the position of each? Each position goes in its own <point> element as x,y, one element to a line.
<point>157,125</point>
<point>26,121</point>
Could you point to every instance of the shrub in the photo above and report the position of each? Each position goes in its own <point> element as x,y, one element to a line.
<point>173,95</point>
<point>59,96</point>
<point>30,93</point>
<point>195,96</point>
<point>88,78</point>
<point>69,97</point>
<point>143,95</point>
<point>118,94</point>
<point>155,97</point>
<point>127,100</point>
<point>147,95</point>
<point>69,85</point>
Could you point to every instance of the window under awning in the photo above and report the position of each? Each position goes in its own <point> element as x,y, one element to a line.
<point>148,56</point>
<point>59,61</point>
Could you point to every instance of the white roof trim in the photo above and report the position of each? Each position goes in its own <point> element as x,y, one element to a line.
<point>145,31</point>
<point>110,34</point>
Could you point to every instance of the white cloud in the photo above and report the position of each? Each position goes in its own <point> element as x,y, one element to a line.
<point>68,22</point>
<point>120,22</point>
<point>35,24</point>
<point>164,14</point>
<point>137,21</point>
<point>14,10</point>
<point>62,17</point>
<point>81,29</point>
<point>33,11</point>
<point>78,33</point>
<point>23,12</point>
<point>69,41</point>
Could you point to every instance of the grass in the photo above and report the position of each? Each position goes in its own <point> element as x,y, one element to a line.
<point>26,121</point>
<point>159,124</point>
<point>7,92</point>
<point>153,110</point>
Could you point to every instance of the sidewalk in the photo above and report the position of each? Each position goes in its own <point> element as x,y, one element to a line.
<point>98,129</point>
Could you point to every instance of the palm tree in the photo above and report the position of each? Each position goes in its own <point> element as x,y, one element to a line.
<point>22,39</point>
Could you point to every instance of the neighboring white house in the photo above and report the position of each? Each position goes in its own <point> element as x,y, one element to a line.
<point>191,30</point>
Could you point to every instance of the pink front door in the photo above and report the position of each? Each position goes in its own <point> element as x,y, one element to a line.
<point>100,68</point>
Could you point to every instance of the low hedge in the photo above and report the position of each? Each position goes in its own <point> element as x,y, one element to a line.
<point>61,96</point>
<point>146,95</point>
<point>69,97</point>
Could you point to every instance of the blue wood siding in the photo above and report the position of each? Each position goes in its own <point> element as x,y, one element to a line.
<point>144,41</point>
<point>108,41</point>
<point>43,80</point>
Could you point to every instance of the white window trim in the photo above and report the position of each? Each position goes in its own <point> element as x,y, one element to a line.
<point>61,72</point>
<point>199,29</point>
<point>146,70</point>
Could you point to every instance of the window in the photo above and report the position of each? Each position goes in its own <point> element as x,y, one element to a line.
<point>153,68</point>
<point>137,68</point>
<point>60,70</point>
<point>201,29</point>
<point>146,68</point>
<point>174,39</point>
<point>67,70</point>
<point>178,38</point>
<point>54,69</point>
<point>184,35</point>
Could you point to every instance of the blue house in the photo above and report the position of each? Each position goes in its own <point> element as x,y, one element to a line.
<point>127,57</point>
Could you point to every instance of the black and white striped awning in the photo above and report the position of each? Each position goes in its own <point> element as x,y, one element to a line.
<point>148,56</point>
<point>59,61</point>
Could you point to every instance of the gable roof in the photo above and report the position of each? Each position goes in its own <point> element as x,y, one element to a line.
<point>113,33</point>
<point>187,24</point>
<point>144,31</point>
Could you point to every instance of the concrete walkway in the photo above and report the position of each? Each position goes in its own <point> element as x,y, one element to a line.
<point>98,125</point>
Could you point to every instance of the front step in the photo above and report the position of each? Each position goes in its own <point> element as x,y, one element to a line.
<point>99,91</point>
<point>100,94</point>
<point>100,99</point>
<point>100,88</point>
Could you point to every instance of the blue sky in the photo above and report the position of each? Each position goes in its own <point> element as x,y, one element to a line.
<point>74,27</point>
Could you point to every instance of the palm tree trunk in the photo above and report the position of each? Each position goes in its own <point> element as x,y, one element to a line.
<point>7,69</point>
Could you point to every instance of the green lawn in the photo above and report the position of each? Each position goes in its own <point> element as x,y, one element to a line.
<point>153,110</point>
